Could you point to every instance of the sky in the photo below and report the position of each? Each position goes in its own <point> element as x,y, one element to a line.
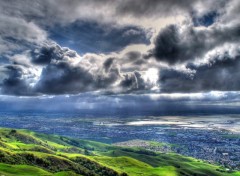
<point>157,56</point>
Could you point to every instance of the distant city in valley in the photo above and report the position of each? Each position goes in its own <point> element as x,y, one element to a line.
<point>215,139</point>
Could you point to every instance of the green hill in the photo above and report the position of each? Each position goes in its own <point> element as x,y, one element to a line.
<point>24,152</point>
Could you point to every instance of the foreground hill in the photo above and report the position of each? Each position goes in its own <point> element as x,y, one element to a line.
<point>24,152</point>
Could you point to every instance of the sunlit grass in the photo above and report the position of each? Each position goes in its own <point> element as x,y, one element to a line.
<point>64,152</point>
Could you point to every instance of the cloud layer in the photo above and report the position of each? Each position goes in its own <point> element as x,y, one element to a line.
<point>119,47</point>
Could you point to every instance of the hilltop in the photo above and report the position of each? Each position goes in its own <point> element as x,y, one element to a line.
<point>24,152</point>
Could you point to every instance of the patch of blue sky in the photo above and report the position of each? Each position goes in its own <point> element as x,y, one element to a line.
<point>91,37</point>
<point>205,20</point>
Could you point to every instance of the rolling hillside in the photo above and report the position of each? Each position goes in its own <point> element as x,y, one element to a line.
<point>24,152</point>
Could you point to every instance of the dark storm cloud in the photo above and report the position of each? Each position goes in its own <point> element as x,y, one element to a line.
<point>14,83</point>
<point>130,81</point>
<point>175,44</point>
<point>107,64</point>
<point>172,47</point>
<point>61,76</point>
<point>168,45</point>
<point>133,81</point>
<point>220,74</point>
<point>44,56</point>
<point>67,73</point>
<point>59,70</point>
<point>70,74</point>
<point>47,53</point>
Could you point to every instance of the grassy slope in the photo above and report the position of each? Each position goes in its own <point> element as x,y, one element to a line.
<point>135,167</point>
<point>6,169</point>
<point>25,152</point>
<point>182,165</point>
